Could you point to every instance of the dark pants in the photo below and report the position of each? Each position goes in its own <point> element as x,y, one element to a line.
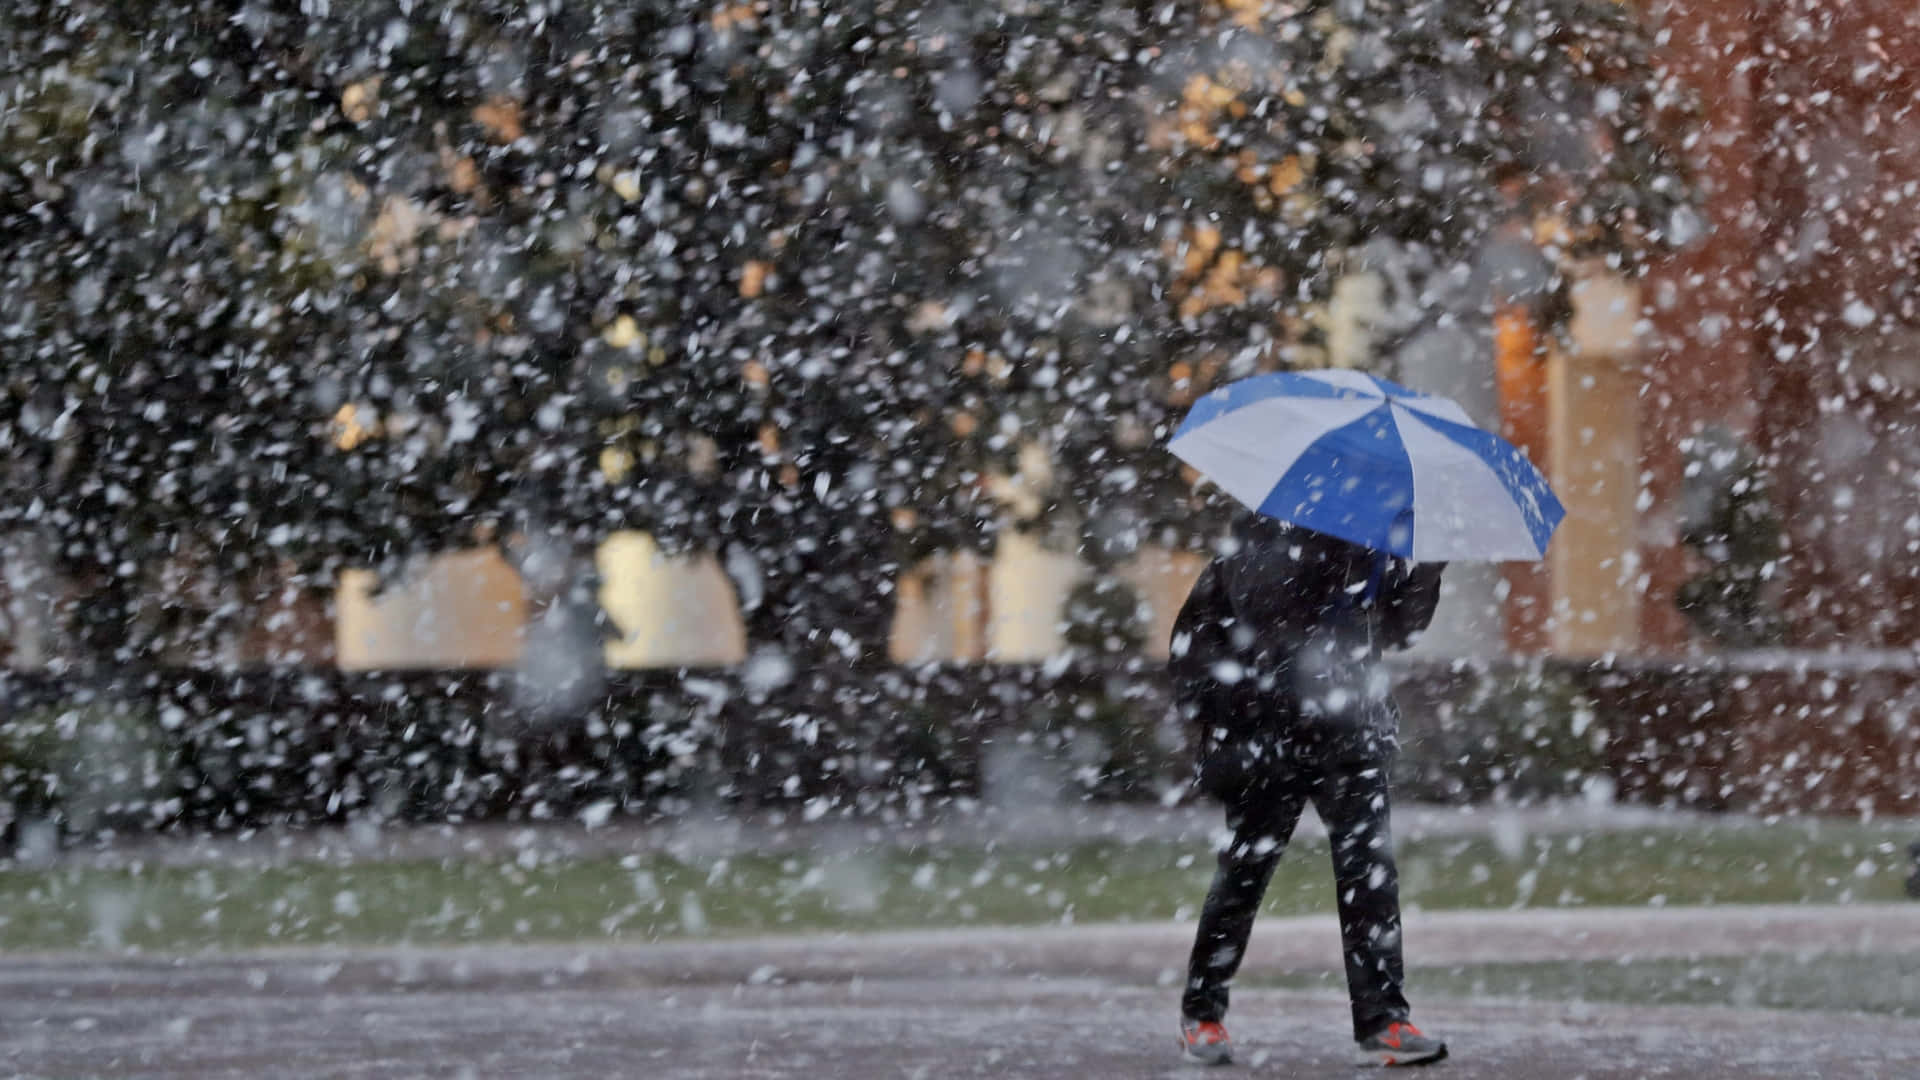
<point>1351,800</point>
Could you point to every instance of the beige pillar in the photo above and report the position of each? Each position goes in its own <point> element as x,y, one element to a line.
<point>1594,392</point>
<point>940,611</point>
<point>671,611</point>
<point>464,609</point>
<point>1164,578</point>
<point>1027,595</point>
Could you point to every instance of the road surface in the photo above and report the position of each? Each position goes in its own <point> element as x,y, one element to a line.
<point>1053,1002</point>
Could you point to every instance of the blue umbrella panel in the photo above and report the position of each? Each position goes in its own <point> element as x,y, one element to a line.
<point>1371,462</point>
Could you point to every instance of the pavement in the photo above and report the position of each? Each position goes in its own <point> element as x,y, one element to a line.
<point>1067,1001</point>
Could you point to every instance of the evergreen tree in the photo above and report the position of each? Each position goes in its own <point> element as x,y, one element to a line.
<point>1734,528</point>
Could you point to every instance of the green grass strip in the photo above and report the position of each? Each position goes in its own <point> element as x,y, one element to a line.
<point>657,896</point>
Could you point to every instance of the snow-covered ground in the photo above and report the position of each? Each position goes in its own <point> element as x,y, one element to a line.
<point>730,833</point>
<point>1056,1002</point>
<point>1059,1001</point>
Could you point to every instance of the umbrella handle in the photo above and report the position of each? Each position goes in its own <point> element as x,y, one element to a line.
<point>1376,575</point>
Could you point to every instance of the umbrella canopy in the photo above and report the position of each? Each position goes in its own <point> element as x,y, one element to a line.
<point>1372,462</point>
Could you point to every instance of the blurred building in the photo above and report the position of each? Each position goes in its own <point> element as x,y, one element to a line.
<point>1785,329</point>
<point>1791,322</point>
<point>471,609</point>
<point>1009,608</point>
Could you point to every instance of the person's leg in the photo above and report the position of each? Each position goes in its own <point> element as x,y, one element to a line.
<point>1262,822</point>
<point>1353,802</point>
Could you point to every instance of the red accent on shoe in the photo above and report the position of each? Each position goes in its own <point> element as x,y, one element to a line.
<point>1207,1033</point>
<point>1392,1037</point>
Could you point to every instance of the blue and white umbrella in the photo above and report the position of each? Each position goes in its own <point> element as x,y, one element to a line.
<point>1372,462</point>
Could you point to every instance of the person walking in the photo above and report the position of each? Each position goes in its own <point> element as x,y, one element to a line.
<point>1276,666</point>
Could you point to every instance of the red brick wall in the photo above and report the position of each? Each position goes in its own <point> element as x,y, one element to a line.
<point>1700,360</point>
<point>1840,396</point>
<point>1797,321</point>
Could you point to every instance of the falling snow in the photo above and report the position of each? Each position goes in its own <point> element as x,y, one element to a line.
<point>350,350</point>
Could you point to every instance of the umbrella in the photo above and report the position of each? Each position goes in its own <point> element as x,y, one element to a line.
<point>1371,462</point>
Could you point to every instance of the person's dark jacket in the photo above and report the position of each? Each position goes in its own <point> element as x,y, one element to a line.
<point>1275,654</point>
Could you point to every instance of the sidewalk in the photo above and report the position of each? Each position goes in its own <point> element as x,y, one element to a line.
<point>1036,1003</point>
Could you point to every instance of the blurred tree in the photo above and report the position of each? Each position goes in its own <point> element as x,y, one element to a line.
<point>142,386</point>
<point>817,287</point>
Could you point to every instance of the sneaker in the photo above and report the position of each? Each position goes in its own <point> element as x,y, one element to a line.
<point>1205,1042</point>
<point>1400,1043</point>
